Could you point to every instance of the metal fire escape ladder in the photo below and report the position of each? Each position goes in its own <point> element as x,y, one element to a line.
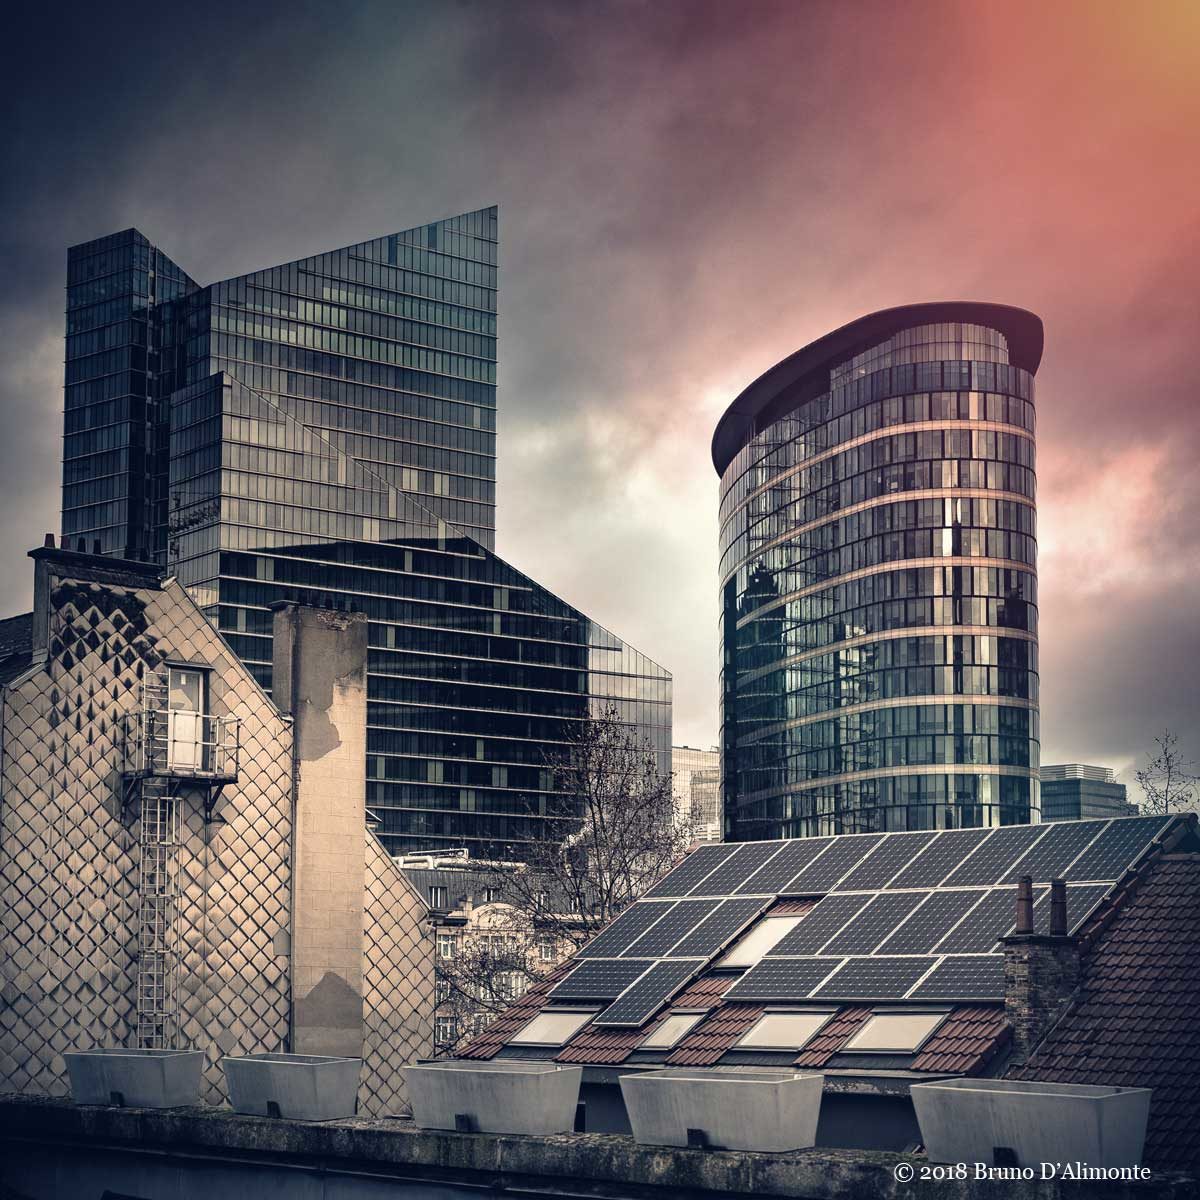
<point>158,910</point>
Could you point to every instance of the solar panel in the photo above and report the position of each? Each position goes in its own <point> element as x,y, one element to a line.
<point>1062,843</point>
<point>736,870</point>
<point>662,935</point>
<point>720,927</point>
<point>820,925</point>
<point>992,859</point>
<point>878,978</point>
<point>988,921</point>
<point>939,858</point>
<point>842,854</point>
<point>625,930</point>
<point>873,924</point>
<point>784,867</point>
<point>1112,853</point>
<point>599,979</point>
<point>781,978</point>
<point>1081,899</point>
<point>641,1001</point>
<point>965,977</point>
<point>928,925</point>
<point>684,877</point>
<point>885,860</point>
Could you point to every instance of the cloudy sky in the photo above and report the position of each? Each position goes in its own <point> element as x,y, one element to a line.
<point>688,192</point>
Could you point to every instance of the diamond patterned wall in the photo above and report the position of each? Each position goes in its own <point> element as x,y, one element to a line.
<point>397,983</point>
<point>68,869</point>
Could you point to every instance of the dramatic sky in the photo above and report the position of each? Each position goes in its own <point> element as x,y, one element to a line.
<point>688,192</point>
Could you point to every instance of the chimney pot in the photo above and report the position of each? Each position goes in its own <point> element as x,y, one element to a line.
<point>81,545</point>
<point>48,541</point>
<point>1058,908</point>
<point>1025,904</point>
<point>95,545</point>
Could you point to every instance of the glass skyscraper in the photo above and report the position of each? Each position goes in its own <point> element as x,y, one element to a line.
<point>879,579</point>
<point>325,431</point>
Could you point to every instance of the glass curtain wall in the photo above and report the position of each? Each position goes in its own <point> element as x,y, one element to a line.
<point>879,594</point>
<point>332,441</point>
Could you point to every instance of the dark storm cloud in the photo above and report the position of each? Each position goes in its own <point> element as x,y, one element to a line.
<point>689,191</point>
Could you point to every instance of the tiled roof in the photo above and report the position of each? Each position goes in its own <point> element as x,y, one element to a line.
<point>16,646</point>
<point>489,1043</point>
<point>1134,1022</point>
<point>833,1037</point>
<point>601,1046</point>
<point>714,1035</point>
<point>704,992</point>
<point>966,1041</point>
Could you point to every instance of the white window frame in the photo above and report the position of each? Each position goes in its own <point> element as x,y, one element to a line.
<point>935,1016</point>
<point>820,1017</point>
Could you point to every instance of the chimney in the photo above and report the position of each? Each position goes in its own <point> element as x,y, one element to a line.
<point>320,679</point>
<point>1041,970</point>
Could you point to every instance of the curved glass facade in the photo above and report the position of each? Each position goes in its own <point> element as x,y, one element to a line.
<point>879,584</point>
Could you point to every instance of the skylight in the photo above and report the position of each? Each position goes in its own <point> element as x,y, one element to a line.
<point>670,1031</point>
<point>552,1027</point>
<point>758,940</point>
<point>783,1030</point>
<point>898,1032</point>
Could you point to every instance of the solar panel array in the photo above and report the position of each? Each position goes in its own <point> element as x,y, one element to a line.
<point>904,916</point>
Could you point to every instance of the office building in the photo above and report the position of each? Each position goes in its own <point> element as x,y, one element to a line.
<point>324,432</point>
<point>879,580</point>
<point>1077,792</point>
<point>696,780</point>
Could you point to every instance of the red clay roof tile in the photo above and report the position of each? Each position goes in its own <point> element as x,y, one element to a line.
<point>1133,1023</point>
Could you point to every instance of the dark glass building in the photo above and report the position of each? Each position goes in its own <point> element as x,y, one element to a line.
<point>325,431</point>
<point>879,581</point>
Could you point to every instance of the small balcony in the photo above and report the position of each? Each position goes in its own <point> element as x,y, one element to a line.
<point>178,744</point>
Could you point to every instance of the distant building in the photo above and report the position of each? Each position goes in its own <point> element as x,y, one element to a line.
<point>1076,791</point>
<point>483,959</point>
<point>878,579</point>
<point>697,788</point>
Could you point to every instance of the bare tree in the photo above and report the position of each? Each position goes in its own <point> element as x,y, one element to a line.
<point>1167,780</point>
<point>615,832</point>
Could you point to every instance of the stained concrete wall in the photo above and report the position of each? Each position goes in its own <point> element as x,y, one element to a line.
<point>320,678</point>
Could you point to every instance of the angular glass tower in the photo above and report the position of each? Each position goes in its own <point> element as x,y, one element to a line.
<point>879,579</point>
<point>325,431</point>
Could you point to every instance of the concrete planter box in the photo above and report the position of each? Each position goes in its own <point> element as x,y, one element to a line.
<point>303,1087</point>
<point>725,1109</point>
<point>135,1078</point>
<point>966,1120</point>
<point>494,1097</point>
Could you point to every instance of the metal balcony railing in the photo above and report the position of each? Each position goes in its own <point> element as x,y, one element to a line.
<point>175,743</point>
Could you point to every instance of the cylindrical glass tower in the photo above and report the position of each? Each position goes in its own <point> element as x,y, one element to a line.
<point>879,579</point>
